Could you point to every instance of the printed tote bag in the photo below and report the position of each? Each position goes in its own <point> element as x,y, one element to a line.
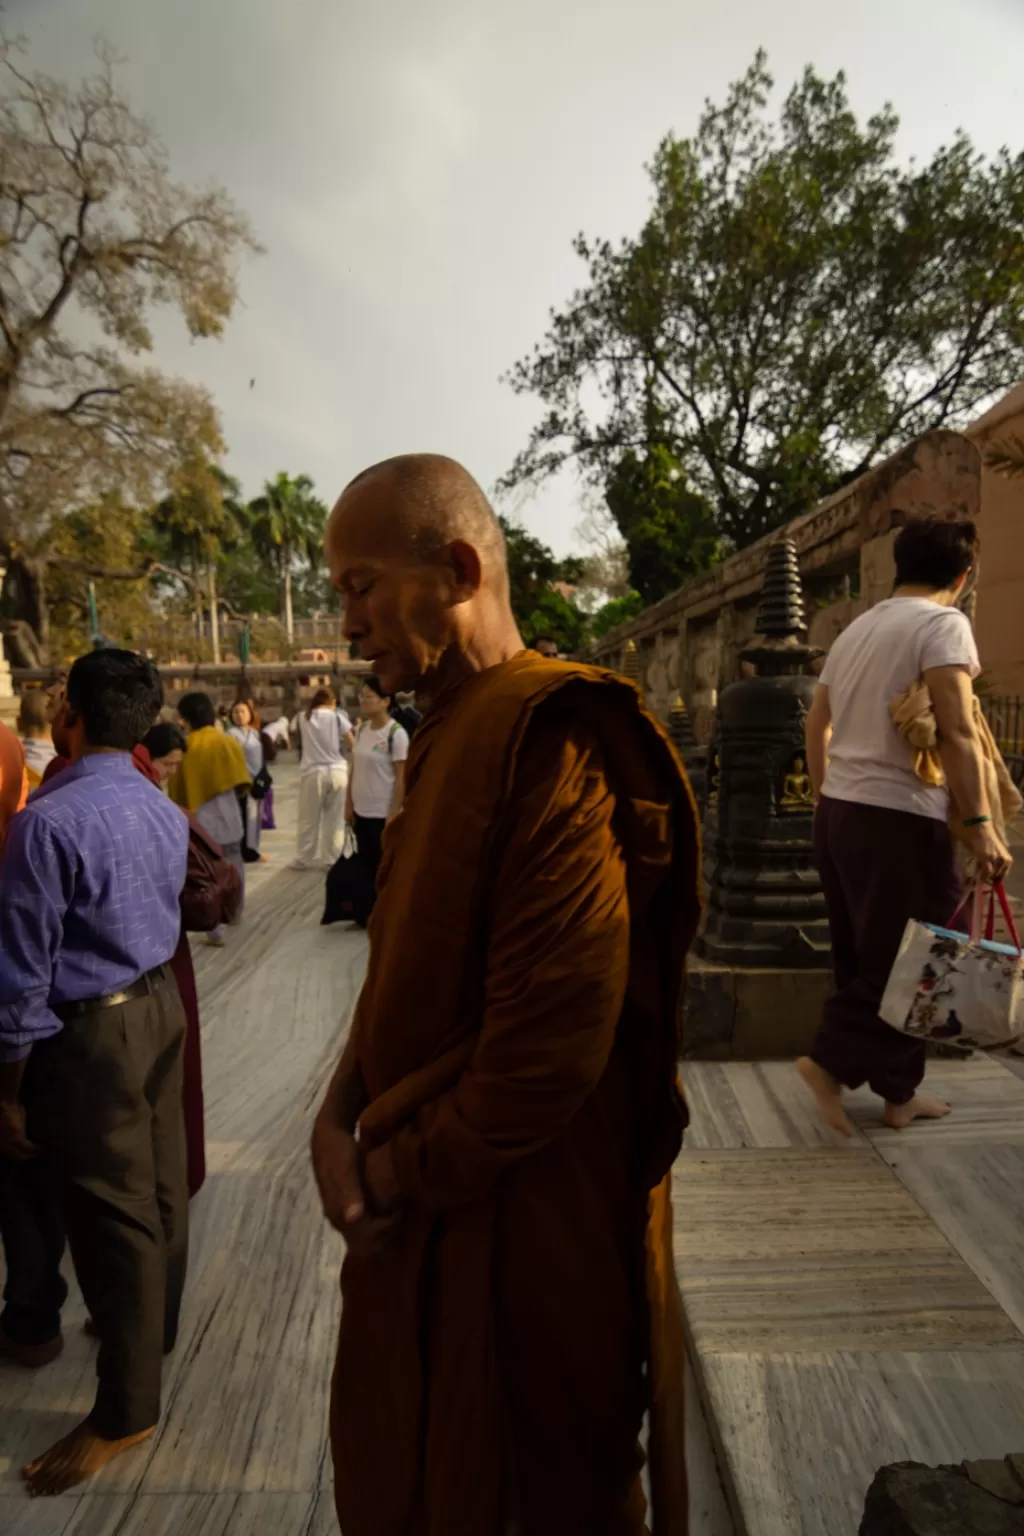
<point>959,987</point>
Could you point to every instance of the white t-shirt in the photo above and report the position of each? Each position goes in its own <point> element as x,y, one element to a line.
<point>277,730</point>
<point>873,662</point>
<point>323,737</point>
<point>373,768</point>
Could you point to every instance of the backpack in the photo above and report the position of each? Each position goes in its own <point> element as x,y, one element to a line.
<point>213,888</point>
<point>407,717</point>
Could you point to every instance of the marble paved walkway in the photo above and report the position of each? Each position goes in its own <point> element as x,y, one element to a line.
<point>242,1445</point>
<point>850,1304</point>
<point>242,1448</point>
<point>847,1305</point>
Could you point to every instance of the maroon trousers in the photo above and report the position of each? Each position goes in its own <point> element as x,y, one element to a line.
<point>878,868</point>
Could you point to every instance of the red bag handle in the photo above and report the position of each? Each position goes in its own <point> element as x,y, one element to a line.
<point>976,896</point>
<point>1000,896</point>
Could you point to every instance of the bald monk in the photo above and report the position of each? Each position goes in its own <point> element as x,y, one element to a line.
<point>511,1063</point>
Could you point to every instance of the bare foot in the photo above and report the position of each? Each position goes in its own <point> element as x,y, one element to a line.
<point>828,1094</point>
<point>78,1456</point>
<point>899,1116</point>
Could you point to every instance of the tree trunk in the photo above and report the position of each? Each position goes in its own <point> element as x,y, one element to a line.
<point>289,621</point>
<point>197,592</point>
<point>214,616</point>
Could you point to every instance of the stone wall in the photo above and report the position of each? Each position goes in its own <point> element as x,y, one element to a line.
<point>689,643</point>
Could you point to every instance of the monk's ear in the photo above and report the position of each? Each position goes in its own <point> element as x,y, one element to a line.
<point>466,571</point>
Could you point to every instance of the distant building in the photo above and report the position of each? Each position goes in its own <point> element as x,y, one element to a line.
<point>999,620</point>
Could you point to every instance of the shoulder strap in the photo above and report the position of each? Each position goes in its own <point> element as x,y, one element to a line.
<point>391,737</point>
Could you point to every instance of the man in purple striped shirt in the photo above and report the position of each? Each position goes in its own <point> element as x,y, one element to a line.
<point>91,1038</point>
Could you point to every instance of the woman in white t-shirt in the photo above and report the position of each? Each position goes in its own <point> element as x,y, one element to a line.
<point>377,784</point>
<point>325,735</point>
<point>881,837</point>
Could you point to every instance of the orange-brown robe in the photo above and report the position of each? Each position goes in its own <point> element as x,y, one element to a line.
<point>517,1036</point>
<point>13,780</point>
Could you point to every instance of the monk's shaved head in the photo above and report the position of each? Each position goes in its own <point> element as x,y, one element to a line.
<point>429,501</point>
<point>418,556</point>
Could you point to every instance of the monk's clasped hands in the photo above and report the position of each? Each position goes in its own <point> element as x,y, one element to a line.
<point>356,1198</point>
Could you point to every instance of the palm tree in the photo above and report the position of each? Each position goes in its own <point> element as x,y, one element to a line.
<point>287,524</point>
<point>198,520</point>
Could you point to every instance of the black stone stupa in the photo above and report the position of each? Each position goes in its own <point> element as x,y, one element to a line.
<point>765,906</point>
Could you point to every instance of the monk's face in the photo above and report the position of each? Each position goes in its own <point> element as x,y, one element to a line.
<point>398,608</point>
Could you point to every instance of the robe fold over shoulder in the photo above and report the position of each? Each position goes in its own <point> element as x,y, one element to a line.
<point>518,1036</point>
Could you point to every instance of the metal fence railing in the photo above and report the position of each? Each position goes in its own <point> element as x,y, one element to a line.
<point>1005,716</point>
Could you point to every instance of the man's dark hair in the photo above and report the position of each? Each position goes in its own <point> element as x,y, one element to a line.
<point>930,552</point>
<point>197,711</point>
<point>117,695</point>
<point>162,739</point>
<point>546,640</point>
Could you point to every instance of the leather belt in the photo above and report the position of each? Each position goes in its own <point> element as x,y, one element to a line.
<point>147,983</point>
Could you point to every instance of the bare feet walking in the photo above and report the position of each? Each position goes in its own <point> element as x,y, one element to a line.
<point>828,1093</point>
<point>899,1116</point>
<point>77,1457</point>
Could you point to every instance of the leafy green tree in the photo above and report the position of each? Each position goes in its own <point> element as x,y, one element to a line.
<point>540,608</point>
<point>669,530</point>
<point>192,528</point>
<point>287,527</point>
<point>797,304</point>
<point>619,610</point>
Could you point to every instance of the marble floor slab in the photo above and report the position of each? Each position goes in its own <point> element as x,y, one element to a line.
<point>975,1197</point>
<point>789,1250</point>
<point>850,1304</point>
<point>752,1104</point>
<point>804,1433</point>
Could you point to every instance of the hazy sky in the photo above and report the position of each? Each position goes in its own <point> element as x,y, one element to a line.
<point>417,170</point>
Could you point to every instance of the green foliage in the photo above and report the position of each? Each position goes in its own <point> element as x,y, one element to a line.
<point>107,535</point>
<point>248,582</point>
<point>797,304</point>
<point>618,611</point>
<point>1007,458</point>
<point>286,525</point>
<point>287,521</point>
<point>669,530</point>
<point>540,609</point>
<point>200,519</point>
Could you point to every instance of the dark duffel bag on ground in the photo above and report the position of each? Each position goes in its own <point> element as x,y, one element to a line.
<point>349,892</point>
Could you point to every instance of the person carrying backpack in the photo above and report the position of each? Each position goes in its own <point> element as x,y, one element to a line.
<point>377,783</point>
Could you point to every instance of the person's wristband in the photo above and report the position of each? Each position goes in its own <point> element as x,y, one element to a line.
<point>976,821</point>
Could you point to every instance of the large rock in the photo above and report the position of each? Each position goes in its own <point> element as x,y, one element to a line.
<point>981,1498</point>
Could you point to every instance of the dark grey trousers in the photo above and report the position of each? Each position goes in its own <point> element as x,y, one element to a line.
<point>103,1099</point>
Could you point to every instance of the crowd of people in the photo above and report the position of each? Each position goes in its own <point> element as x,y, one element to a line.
<point>496,1142</point>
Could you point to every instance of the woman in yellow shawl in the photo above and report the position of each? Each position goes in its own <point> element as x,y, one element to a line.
<point>207,782</point>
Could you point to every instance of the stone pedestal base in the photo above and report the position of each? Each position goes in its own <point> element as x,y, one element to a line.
<point>8,699</point>
<point>748,1014</point>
